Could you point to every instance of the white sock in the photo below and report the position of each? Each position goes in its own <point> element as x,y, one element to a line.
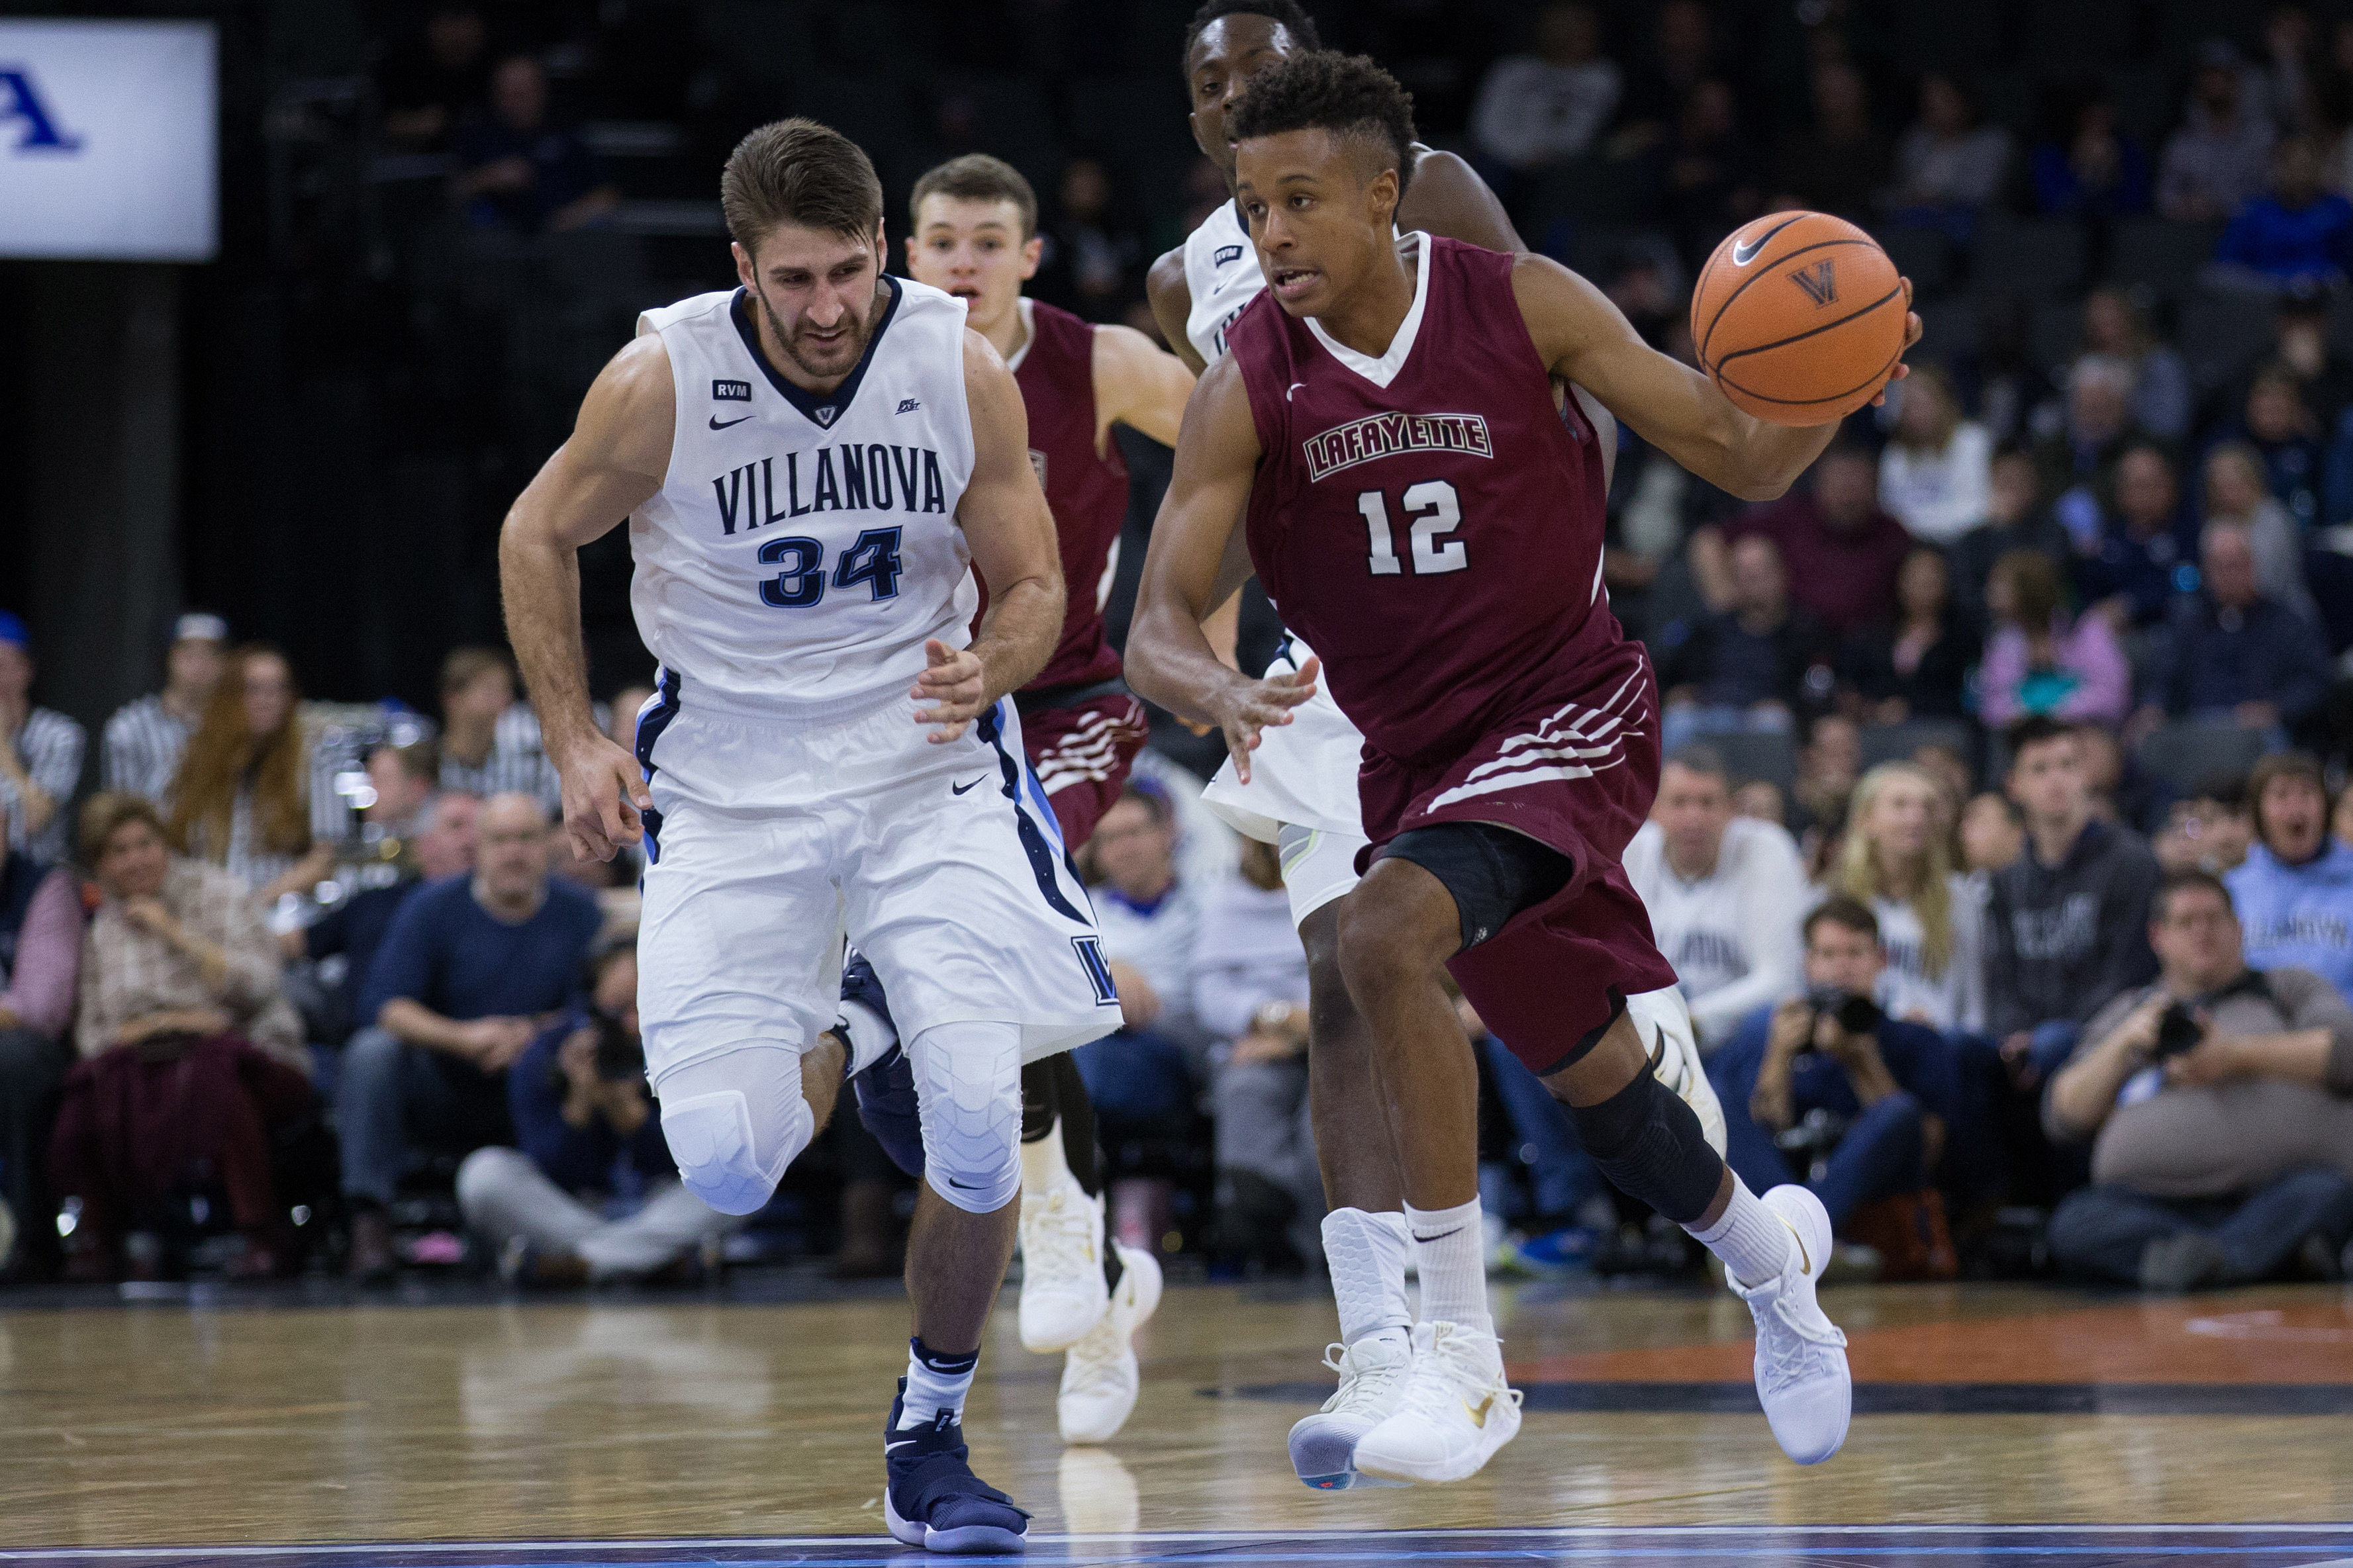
<point>1450,1249</point>
<point>1045,1163</point>
<point>870,1034</point>
<point>934,1383</point>
<point>1366,1255</point>
<point>1753,1241</point>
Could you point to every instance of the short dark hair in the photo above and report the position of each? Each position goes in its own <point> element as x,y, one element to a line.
<point>1323,89</point>
<point>797,171</point>
<point>1285,13</point>
<point>2160,904</point>
<point>1699,758</point>
<point>1841,911</point>
<point>2282,765</point>
<point>462,666</point>
<point>2032,730</point>
<point>103,815</point>
<point>420,760</point>
<point>977,177</point>
<point>1148,795</point>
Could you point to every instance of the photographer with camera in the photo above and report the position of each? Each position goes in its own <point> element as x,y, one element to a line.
<point>1863,1098</point>
<point>2221,1103</point>
<point>592,1193</point>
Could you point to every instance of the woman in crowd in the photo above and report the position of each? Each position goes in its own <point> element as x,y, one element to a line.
<point>240,800</point>
<point>1935,475</point>
<point>2038,661</point>
<point>2238,491</point>
<point>1897,859</point>
<point>1915,668</point>
<point>188,1053</point>
<point>2161,396</point>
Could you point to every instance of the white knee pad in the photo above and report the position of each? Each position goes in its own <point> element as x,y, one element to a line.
<point>969,1083</point>
<point>733,1123</point>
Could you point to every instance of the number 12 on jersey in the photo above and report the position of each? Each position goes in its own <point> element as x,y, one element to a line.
<point>1434,511</point>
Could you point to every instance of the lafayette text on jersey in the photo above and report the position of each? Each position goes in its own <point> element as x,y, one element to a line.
<point>1429,519</point>
<point>804,546</point>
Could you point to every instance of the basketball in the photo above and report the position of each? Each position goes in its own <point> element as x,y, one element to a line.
<point>1799,317</point>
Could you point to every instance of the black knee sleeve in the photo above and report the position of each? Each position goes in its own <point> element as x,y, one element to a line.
<point>1038,1100</point>
<point>1650,1144</point>
<point>1052,1090</point>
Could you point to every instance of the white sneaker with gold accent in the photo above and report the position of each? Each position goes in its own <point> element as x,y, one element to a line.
<point>1099,1376</point>
<point>1801,1372</point>
<point>1454,1413</point>
<point>1062,1290</point>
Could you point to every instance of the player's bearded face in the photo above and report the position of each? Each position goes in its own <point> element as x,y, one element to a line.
<point>818,296</point>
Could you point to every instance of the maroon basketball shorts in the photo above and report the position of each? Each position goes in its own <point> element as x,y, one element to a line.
<point>1576,770</point>
<point>1080,754</point>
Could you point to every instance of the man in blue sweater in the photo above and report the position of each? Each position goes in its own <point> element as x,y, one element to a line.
<point>2232,654</point>
<point>2297,232</point>
<point>472,969</point>
<point>2294,893</point>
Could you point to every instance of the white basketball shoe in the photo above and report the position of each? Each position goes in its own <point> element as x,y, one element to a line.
<point>1454,1411</point>
<point>1663,1022</point>
<point>1801,1372</point>
<point>1062,1290</point>
<point>1100,1377</point>
<point>1372,1381</point>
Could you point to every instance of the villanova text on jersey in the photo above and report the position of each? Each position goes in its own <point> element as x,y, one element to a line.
<point>873,477</point>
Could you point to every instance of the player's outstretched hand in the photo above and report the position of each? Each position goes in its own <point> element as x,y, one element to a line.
<point>1253,705</point>
<point>1912,331</point>
<point>604,795</point>
<point>954,687</point>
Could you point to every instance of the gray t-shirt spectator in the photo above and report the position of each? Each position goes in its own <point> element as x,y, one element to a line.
<point>2062,940</point>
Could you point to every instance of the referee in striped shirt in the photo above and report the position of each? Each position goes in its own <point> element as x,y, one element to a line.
<point>140,749</point>
<point>40,753</point>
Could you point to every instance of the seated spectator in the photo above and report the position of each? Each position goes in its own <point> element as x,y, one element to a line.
<point>1916,667</point>
<point>1092,246</point>
<point>1249,994</point>
<point>2038,661</point>
<point>240,799</point>
<point>2283,434</point>
<point>1534,111</point>
<point>2209,832</point>
<point>2139,559</point>
<point>2093,168</point>
<point>2237,494</point>
<point>1746,667</point>
<point>2222,1157</point>
<point>2297,232</point>
<point>40,963</point>
<point>2234,654</point>
<point>1934,474</point>
<point>2161,400</point>
<point>1760,800</point>
<point>440,845</point>
<point>1837,163</point>
<point>1992,837</point>
<point>1954,774</point>
<point>469,972</point>
<point>2065,922</point>
<point>2016,519</point>
<point>1948,159</point>
<point>1886,1089</point>
<point>1897,863</point>
<point>1723,894</point>
<point>2294,891</point>
<point>40,753</point>
<point>490,743</point>
<point>2122,790</point>
<point>188,1054</point>
<point>519,171</point>
<point>1840,551</point>
<point>1141,1079</point>
<point>589,1192</point>
<point>402,779</point>
<point>2077,463</point>
<point>1827,765</point>
<point>143,742</point>
<point>427,79</point>
<point>2214,165</point>
<point>2300,344</point>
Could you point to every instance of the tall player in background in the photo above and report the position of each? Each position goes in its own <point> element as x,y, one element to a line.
<point>1382,446</point>
<point>974,235</point>
<point>814,466</point>
<point>1300,793</point>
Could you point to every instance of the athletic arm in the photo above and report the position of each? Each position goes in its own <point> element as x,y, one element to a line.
<point>1448,199</point>
<point>615,462</point>
<point>1138,385</point>
<point>1583,337</point>
<point>1172,306</point>
<point>1011,534</point>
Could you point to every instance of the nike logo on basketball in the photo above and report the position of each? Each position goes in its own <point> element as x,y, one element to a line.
<point>1745,250</point>
<point>959,789</point>
<point>718,423</point>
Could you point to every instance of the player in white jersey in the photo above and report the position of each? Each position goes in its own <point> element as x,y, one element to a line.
<point>1302,791</point>
<point>813,466</point>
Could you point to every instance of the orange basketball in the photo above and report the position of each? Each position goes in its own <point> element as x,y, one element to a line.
<point>1798,316</point>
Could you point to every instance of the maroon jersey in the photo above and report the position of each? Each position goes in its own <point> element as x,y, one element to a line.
<point>1086,490</point>
<point>1430,523</point>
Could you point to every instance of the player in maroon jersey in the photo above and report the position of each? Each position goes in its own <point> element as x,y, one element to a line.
<point>1380,445</point>
<point>973,233</point>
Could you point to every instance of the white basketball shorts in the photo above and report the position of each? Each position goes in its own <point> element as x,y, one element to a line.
<point>1302,776</point>
<point>769,839</point>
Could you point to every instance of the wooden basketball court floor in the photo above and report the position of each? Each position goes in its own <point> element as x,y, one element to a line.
<point>299,1429</point>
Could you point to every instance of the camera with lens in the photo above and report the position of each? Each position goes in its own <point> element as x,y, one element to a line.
<point>619,1054</point>
<point>2178,1032</point>
<point>1853,1011</point>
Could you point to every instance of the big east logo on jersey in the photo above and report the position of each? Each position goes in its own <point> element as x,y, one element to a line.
<point>21,101</point>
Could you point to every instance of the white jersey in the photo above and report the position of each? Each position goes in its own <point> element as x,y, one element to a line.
<point>1221,272</point>
<point>802,548</point>
<point>1732,935</point>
